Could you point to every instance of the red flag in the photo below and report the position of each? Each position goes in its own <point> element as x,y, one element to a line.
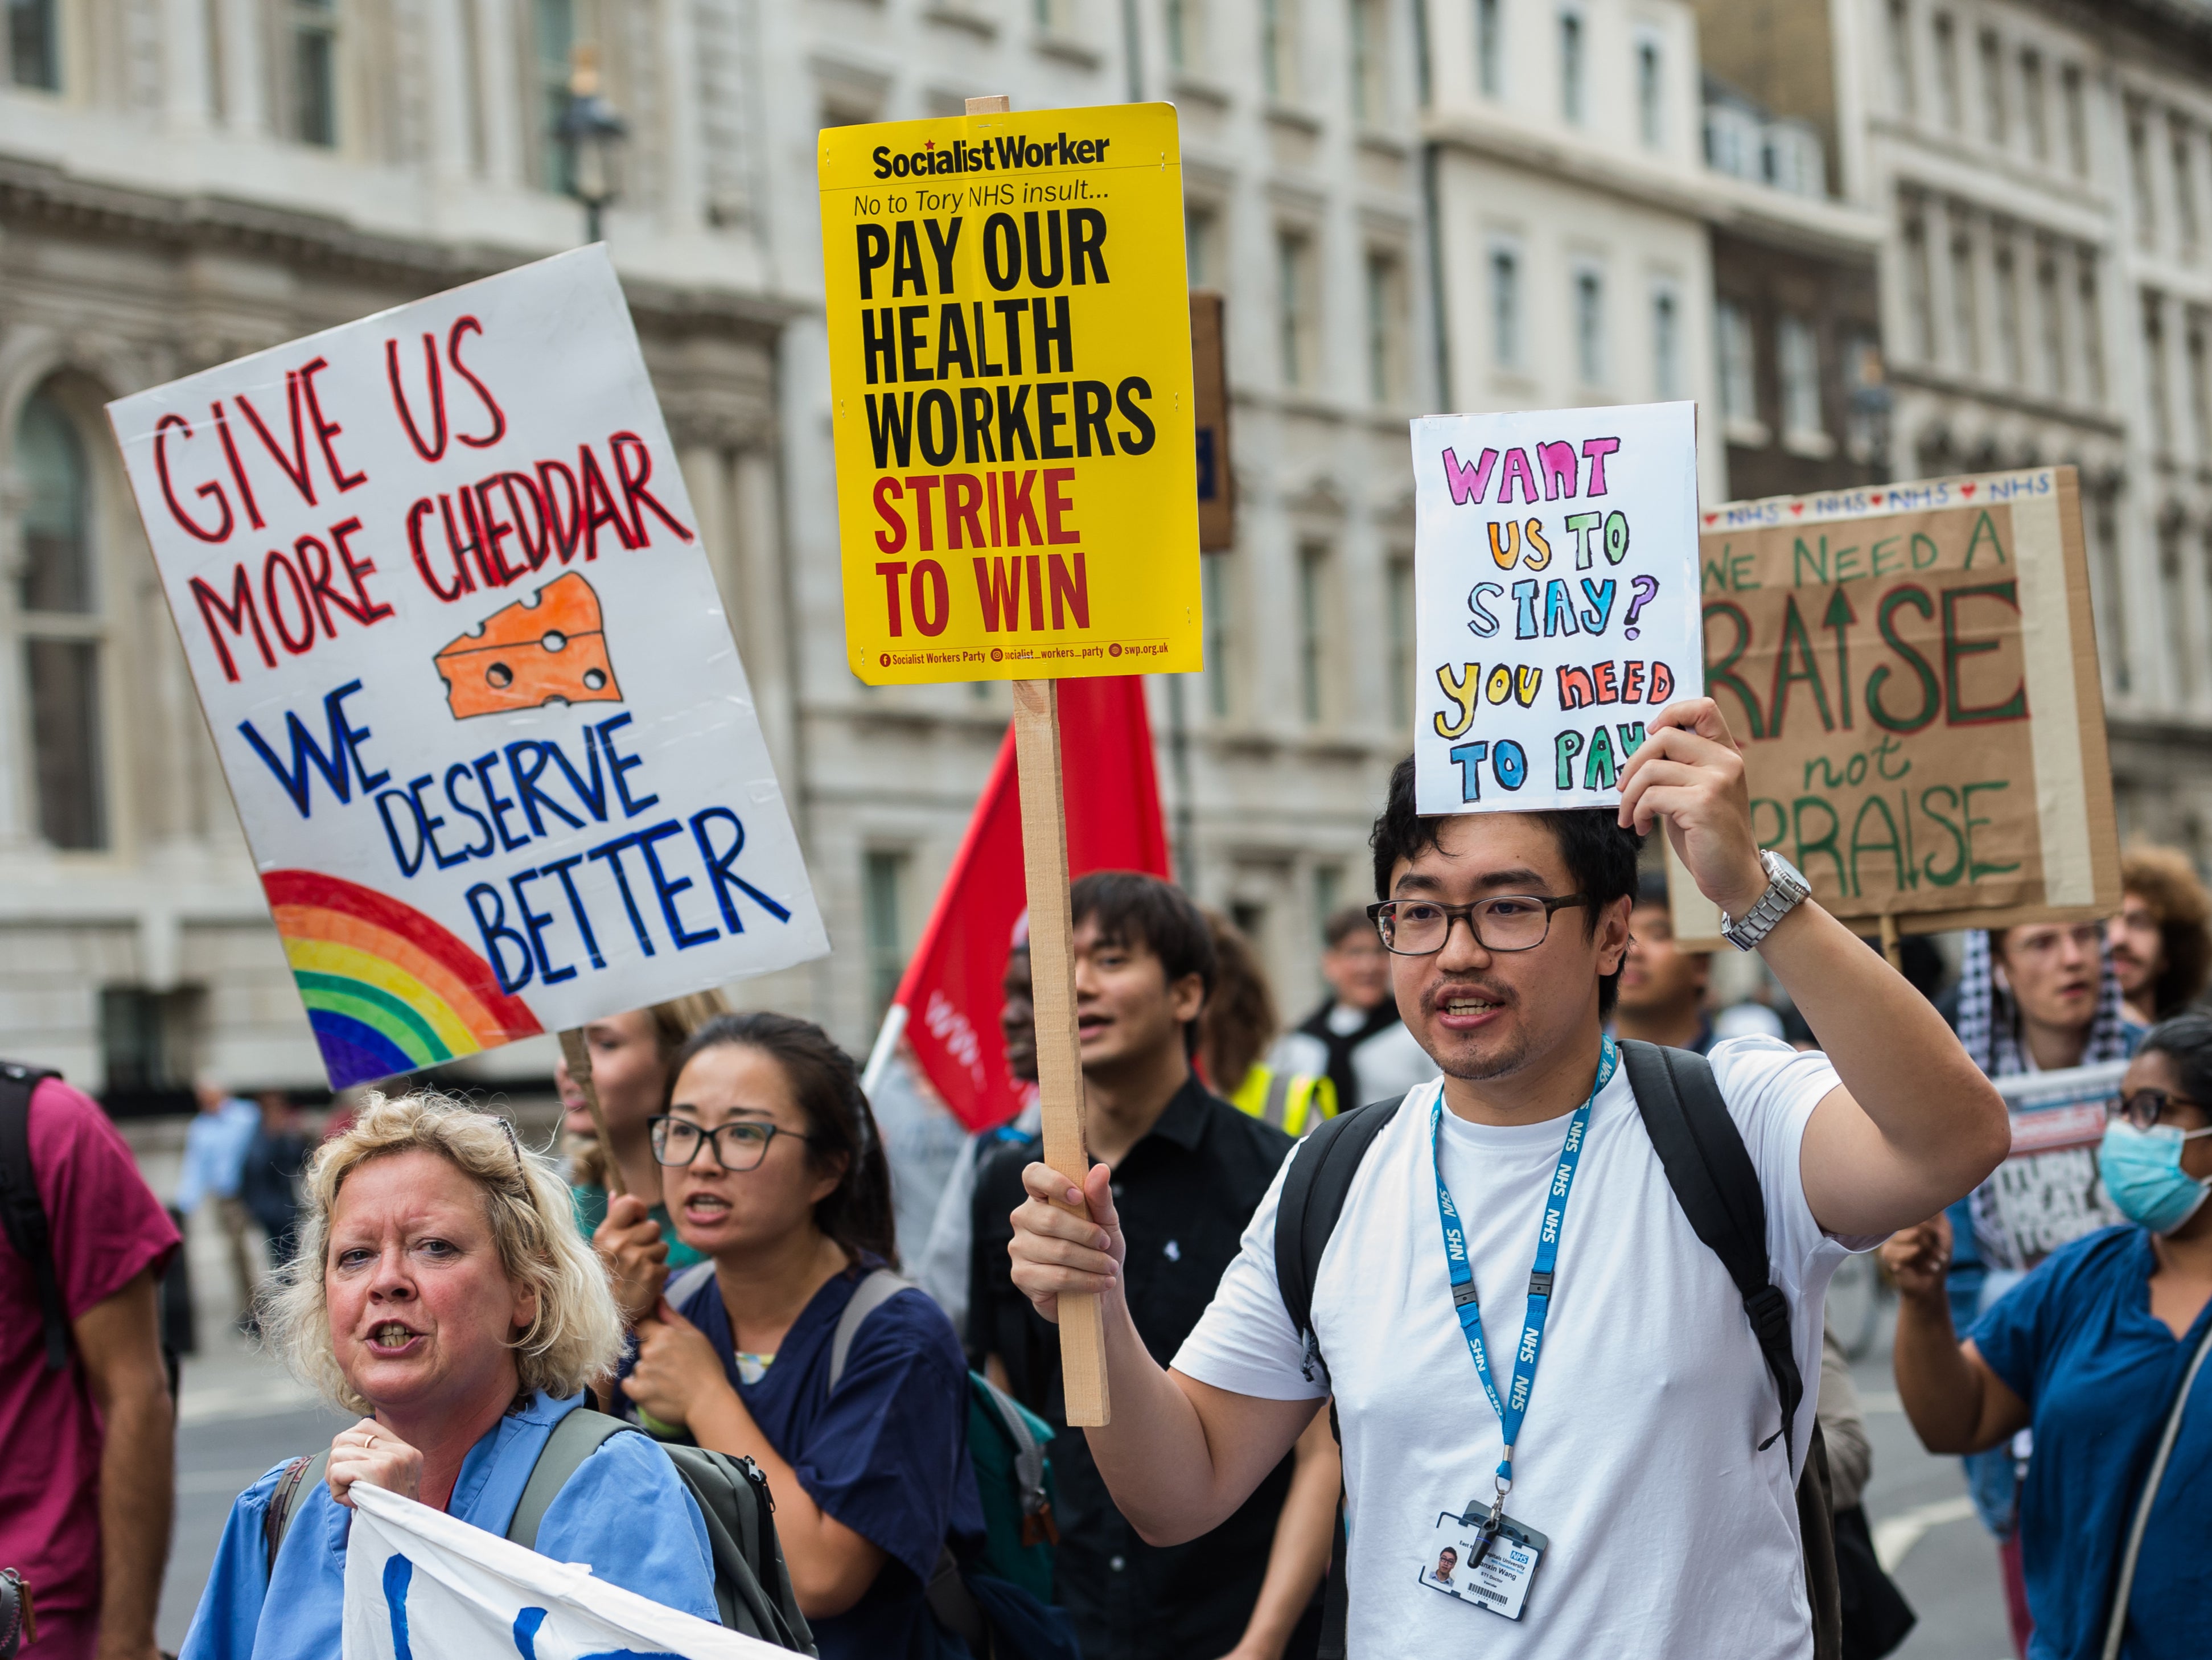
<point>948,1002</point>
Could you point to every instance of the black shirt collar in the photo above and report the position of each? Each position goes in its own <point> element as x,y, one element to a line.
<point>1184,1119</point>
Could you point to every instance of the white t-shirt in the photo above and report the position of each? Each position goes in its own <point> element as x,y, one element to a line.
<point>1671,1534</point>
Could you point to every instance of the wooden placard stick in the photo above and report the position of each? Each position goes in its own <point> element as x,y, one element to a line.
<point>1892,943</point>
<point>578,1053</point>
<point>1059,1061</point>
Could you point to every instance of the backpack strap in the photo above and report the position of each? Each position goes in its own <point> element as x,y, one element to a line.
<point>1717,1187</point>
<point>1322,1169</point>
<point>302,1474</point>
<point>23,1214</point>
<point>1028,1460</point>
<point>575,1438</point>
<point>876,1288</point>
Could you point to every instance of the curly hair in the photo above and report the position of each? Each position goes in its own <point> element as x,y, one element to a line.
<point>2168,884</point>
<point>576,1337</point>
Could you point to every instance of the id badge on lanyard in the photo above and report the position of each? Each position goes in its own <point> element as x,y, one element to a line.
<point>1480,1555</point>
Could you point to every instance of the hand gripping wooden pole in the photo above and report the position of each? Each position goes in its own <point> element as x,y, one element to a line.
<point>578,1053</point>
<point>1059,1061</point>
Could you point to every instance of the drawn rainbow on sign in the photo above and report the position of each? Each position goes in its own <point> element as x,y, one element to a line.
<point>387,988</point>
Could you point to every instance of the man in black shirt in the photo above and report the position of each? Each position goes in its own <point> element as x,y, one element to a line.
<point>1188,1171</point>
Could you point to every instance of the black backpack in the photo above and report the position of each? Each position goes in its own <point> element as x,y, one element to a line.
<point>23,1214</point>
<point>1716,1186</point>
<point>753,1587</point>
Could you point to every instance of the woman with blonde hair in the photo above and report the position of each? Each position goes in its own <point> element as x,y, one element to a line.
<point>442,1289</point>
<point>632,1056</point>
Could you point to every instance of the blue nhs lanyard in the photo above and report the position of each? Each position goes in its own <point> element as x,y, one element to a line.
<point>1512,1410</point>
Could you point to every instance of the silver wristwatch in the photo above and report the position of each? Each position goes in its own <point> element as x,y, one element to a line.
<point>1786,889</point>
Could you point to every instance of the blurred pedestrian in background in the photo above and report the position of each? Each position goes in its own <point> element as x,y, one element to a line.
<point>2160,944</point>
<point>1234,1031</point>
<point>632,1066</point>
<point>777,1177</point>
<point>945,1261</point>
<point>269,1184</point>
<point>441,1289</point>
<point>215,1146</point>
<point>1355,1038</point>
<point>1188,1170</point>
<point>2100,1351</point>
<point>87,1427</point>
<point>1663,990</point>
<point>2036,998</point>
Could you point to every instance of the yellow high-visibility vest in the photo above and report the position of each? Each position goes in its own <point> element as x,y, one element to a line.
<point>1292,1102</point>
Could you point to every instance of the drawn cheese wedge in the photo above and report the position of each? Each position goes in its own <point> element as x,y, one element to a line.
<point>548,648</point>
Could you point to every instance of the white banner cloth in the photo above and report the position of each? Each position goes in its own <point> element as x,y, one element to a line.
<point>423,1586</point>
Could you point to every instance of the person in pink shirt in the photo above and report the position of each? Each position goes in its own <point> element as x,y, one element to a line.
<point>86,1476</point>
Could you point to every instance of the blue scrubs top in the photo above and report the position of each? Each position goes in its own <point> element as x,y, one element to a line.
<point>625,1510</point>
<point>886,1454</point>
<point>2077,1341</point>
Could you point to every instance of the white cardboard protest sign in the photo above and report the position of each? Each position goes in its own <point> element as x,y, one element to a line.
<point>1556,585</point>
<point>420,1586</point>
<point>441,587</point>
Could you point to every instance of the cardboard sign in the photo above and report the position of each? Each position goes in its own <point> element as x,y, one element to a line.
<point>1009,364</point>
<point>1912,672</point>
<point>1555,571</point>
<point>2047,1193</point>
<point>439,582</point>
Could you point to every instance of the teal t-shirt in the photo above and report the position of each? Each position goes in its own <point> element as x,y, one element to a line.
<point>592,1210</point>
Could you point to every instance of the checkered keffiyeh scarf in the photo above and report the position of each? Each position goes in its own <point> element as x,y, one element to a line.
<point>1989,1019</point>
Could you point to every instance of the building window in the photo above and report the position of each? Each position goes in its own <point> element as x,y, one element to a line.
<point>1186,33</point>
<point>2077,120</point>
<point>2180,651</point>
<point>1900,58</point>
<point>2185,189</point>
<point>1505,308</point>
<point>1214,580</point>
<point>1279,49</point>
<point>313,26</point>
<point>57,594</point>
<point>146,1047</point>
<point>1665,344</point>
<point>2139,181</point>
<point>554,31</point>
<point>2156,389</point>
<point>1294,303</point>
<point>1386,330</point>
<point>34,57</point>
<point>1313,631</point>
<point>1966,314</point>
<point>1798,359</point>
<point>1570,67</point>
<point>1201,225</point>
<point>2101,511</point>
<point>2050,327</point>
<point>882,897</point>
<point>1403,642</point>
<point>1993,98</point>
<point>2200,394</point>
<point>1489,47</point>
<point>1947,71</point>
<point>1739,364</point>
<point>2007,295</point>
<point>2033,116</point>
<point>1589,326</point>
<point>1371,59</point>
<point>1919,288</point>
<point>2093,331</point>
<point>1328,894</point>
<point>1649,125</point>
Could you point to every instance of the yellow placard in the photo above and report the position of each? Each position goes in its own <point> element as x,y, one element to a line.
<point>1010,366</point>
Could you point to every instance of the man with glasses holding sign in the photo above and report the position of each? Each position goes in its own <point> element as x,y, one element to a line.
<point>1636,1496</point>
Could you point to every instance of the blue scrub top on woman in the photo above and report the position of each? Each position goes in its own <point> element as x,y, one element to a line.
<point>886,1453</point>
<point>625,1511</point>
<point>2077,1341</point>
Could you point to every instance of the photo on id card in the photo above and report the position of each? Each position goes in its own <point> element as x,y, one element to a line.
<point>1499,1582</point>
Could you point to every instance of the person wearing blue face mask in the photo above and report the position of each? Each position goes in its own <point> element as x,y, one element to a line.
<point>2102,1351</point>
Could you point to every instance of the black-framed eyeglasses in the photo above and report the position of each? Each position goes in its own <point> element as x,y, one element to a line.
<point>1504,921</point>
<point>2148,1109</point>
<point>677,1141</point>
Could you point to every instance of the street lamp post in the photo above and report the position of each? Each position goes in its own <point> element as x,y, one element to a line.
<point>591,136</point>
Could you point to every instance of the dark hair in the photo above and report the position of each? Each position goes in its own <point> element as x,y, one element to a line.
<point>1131,908</point>
<point>1239,1019</point>
<point>2186,1039</point>
<point>857,1214</point>
<point>1599,854</point>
